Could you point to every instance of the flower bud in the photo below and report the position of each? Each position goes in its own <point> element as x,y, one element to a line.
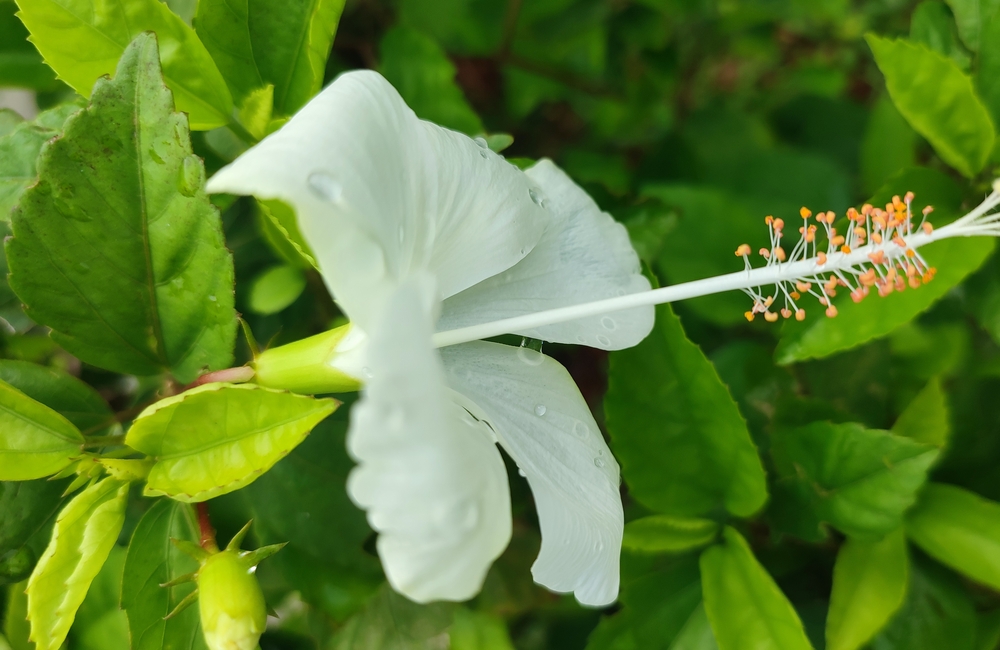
<point>324,363</point>
<point>233,613</point>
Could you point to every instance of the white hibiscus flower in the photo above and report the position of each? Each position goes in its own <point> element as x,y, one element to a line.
<point>418,229</point>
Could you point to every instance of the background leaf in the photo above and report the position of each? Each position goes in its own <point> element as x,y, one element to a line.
<point>217,438</point>
<point>744,605</point>
<point>84,534</point>
<point>35,441</point>
<point>89,217</point>
<point>938,101</point>
<point>83,41</point>
<point>256,42</point>
<point>860,481</point>
<point>666,534</point>
<point>869,585</point>
<point>152,560</point>
<point>70,397</point>
<point>679,436</point>
<point>959,528</point>
<point>926,418</point>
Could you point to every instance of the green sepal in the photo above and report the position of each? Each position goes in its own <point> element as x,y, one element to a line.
<point>179,580</point>
<point>304,366</point>
<point>127,469</point>
<point>190,548</point>
<point>255,557</point>
<point>184,604</point>
<point>234,543</point>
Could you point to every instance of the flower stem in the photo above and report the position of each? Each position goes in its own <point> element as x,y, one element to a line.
<point>206,532</point>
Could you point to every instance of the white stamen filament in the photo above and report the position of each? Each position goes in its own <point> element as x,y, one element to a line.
<point>978,222</point>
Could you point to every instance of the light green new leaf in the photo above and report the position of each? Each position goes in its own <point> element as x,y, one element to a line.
<point>971,17</point>
<point>869,585</point>
<point>83,41</point>
<point>117,248</point>
<point>425,77</point>
<point>745,607</point>
<point>857,323</point>
<point>217,438</point>
<point>260,42</point>
<point>281,230</point>
<point>666,534</point>
<point>153,560</point>
<point>83,536</point>
<point>682,443</point>
<point>859,480</point>
<point>35,441</point>
<point>60,391</point>
<point>926,418</point>
<point>960,529</point>
<point>938,100</point>
<point>276,288</point>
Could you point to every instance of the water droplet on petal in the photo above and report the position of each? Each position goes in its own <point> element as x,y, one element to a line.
<point>598,462</point>
<point>603,340</point>
<point>529,356</point>
<point>598,545</point>
<point>367,372</point>
<point>620,292</point>
<point>609,323</point>
<point>465,515</point>
<point>536,198</point>
<point>580,430</point>
<point>483,144</point>
<point>520,472</point>
<point>581,339</point>
<point>540,410</point>
<point>325,187</point>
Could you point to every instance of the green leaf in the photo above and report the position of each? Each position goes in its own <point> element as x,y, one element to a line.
<point>83,41</point>
<point>35,441</point>
<point>153,560</point>
<point>258,42</point>
<point>666,534</point>
<point>661,609</point>
<point>857,323</point>
<point>926,418</point>
<point>98,209</point>
<point>682,443</point>
<point>859,480</point>
<point>744,605</point>
<point>933,26</point>
<point>971,16</point>
<point>71,398</point>
<point>281,230</point>
<point>960,529</point>
<point>15,625</point>
<point>391,622</point>
<point>29,509</point>
<point>84,534</point>
<point>886,131</point>
<point>710,226</point>
<point>425,77</point>
<point>869,585</point>
<point>938,101</point>
<point>20,63</point>
<point>988,72</point>
<point>217,438</point>
<point>937,614</point>
<point>18,153</point>
<point>100,623</point>
<point>478,631</point>
<point>275,288</point>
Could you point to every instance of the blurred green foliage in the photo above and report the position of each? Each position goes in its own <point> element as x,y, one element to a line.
<point>844,472</point>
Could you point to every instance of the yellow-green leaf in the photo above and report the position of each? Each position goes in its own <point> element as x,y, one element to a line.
<point>217,438</point>
<point>35,441</point>
<point>667,534</point>
<point>84,534</point>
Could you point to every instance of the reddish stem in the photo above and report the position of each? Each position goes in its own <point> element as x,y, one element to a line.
<point>207,540</point>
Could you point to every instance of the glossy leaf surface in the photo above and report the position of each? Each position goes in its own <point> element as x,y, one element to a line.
<point>35,441</point>
<point>217,438</point>
<point>122,190</point>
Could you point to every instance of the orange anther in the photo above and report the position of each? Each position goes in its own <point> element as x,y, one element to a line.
<point>748,315</point>
<point>766,254</point>
<point>914,281</point>
<point>890,276</point>
<point>770,316</point>
<point>928,228</point>
<point>911,253</point>
<point>800,314</point>
<point>866,209</point>
<point>852,214</point>
<point>837,241</point>
<point>779,224</point>
<point>857,295</point>
<point>877,238</point>
<point>845,249</point>
<point>867,278</point>
<point>910,270</point>
<point>779,252</point>
<point>860,232</point>
<point>885,288</point>
<point>805,212</point>
<point>900,283</point>
<point>927,210</point>
<point>899,241</point>
<point>803,286</point>
<point>743,250</point>
<point>795,295</point>
<point>786,313</point>
<point>769,220</point>
<point>769,301</point>
<point>821,259</point>
<point>831,311</point>
<point>908,197</point>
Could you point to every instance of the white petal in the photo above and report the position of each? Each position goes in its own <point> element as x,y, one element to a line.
<point>429,474</point>
<point>379,193</point>
<point>584,255</point>
<point>542,421</point>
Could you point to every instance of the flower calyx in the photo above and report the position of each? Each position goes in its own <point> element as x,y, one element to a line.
<point>230,601</point>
